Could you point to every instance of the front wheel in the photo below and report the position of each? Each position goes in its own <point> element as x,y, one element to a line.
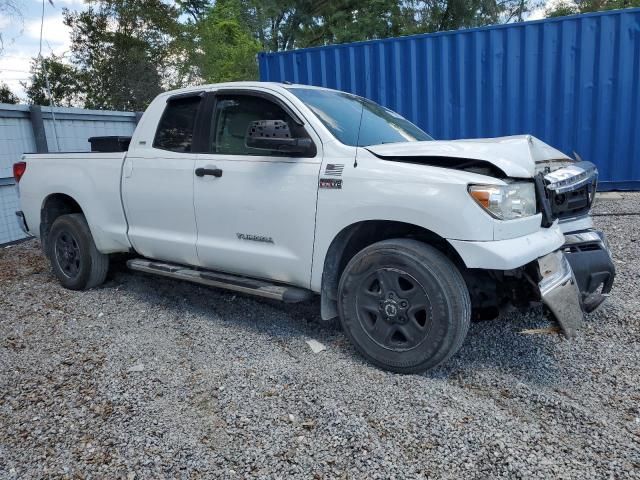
<point>404,305</point>
<point>75,260</point>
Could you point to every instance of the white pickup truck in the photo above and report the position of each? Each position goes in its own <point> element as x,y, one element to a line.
<point>286,191</point>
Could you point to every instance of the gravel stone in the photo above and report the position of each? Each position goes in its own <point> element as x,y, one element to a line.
<point>229,387</point>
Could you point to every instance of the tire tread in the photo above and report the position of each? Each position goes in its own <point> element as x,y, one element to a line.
<point>99,262</point>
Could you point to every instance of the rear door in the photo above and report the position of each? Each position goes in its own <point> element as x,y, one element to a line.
<point>157,186</point>
<point>257,217</point>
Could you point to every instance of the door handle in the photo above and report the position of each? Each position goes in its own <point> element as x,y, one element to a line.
<point>201,172</point>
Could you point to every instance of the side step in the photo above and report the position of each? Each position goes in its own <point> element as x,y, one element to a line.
<point>251,286</point>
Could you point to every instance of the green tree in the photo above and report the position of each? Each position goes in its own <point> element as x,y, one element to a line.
<point>572,7</point>
<point>6,95</point>
<point>277,23</point>
<point>227,49</point>
<point>442,15</point>
<point>64,83</point>
<point>124,51</point>
<point>195,9</point>
<point>288,24</point>
<point>340,21</point>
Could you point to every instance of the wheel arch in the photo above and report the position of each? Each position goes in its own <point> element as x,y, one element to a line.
<point>53,206</point>
<point>357,236</point>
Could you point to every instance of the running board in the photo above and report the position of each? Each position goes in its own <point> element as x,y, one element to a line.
<point>247,285</point>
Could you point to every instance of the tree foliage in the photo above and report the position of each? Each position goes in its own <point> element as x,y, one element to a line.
<point>66,89</point>
<point>6,95</point>
<point>572,7</point>
<point>123,51</point>
<point>287,24</point>
<point>227,49</point>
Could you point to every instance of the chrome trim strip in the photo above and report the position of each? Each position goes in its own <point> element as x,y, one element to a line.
<point>571,177</point>
<point>582,237</point>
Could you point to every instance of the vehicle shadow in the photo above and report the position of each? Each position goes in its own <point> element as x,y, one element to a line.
<point>260,314</point>
<point>498,345</point>
<point>490,345</point>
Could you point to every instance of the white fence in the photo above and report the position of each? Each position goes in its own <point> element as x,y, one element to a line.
<point>31,129</point>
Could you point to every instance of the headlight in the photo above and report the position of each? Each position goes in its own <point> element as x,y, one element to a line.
<point>506,202</point>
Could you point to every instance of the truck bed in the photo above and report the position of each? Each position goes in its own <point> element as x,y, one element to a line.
<point>92,179</point>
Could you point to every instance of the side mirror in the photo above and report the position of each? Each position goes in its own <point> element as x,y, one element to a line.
<point>275,135</point>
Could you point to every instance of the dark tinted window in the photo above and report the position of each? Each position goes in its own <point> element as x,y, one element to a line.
<point>357,121</point>
<point>175,130</point>
<point>234,113</point>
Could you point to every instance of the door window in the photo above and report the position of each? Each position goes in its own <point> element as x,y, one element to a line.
<point>231,119</point>
<point>175,130</point>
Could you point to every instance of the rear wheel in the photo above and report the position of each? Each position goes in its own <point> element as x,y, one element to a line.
<point>404,305</point>
<point>75,260</point>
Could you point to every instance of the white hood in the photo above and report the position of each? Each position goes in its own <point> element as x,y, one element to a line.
<point>516,156</point>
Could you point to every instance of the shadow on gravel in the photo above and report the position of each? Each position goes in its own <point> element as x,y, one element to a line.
<point>499,347</point>
<point>493,345</point>
<point>263,315</point>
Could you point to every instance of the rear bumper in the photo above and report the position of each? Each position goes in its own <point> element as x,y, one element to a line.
<point>577,278</point>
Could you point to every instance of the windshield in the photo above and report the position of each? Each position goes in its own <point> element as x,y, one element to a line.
<point>357,121</point>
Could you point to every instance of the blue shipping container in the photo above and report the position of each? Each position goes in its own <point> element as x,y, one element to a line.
<point>573,82</point>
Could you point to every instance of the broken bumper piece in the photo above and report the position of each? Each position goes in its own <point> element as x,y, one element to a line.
<point>577,278</point>
<point>559,292</point>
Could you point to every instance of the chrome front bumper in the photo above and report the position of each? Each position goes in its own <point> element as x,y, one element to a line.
<point>559,292</point>
<point>577,278</point>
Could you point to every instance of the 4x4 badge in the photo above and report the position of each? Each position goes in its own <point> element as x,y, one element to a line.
<point>331,183</point>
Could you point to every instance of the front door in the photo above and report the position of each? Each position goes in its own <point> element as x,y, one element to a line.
<point>255,209</point>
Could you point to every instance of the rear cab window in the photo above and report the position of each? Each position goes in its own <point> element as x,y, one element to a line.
<point>177,125</point>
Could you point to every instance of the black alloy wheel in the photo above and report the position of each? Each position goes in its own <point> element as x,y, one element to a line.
<point>67,254</point>
<point>394,309</point>
<point>404,305</point>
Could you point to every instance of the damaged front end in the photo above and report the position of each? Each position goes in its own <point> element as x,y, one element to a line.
<point>579,276</point>
<point>582,272</point>
<point>571,281</point>
<point>576,279</point>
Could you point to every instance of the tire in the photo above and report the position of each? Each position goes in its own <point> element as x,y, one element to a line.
<point>75,260</point>
<point>404,305</point>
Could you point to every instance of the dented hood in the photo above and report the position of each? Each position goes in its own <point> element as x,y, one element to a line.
<point>516,156</point>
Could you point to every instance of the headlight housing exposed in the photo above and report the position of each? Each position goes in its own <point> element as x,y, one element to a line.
<point>506,202</point>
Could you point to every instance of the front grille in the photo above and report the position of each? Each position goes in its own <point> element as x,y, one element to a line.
<point>566,192</point>
<point>573,203</point>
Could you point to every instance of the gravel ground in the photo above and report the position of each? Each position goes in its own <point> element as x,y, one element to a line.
<point>150,378</point>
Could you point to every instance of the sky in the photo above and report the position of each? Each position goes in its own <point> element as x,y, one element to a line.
<point>22,36</point>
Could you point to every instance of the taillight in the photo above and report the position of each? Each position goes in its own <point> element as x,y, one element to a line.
<point>18,170</point>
